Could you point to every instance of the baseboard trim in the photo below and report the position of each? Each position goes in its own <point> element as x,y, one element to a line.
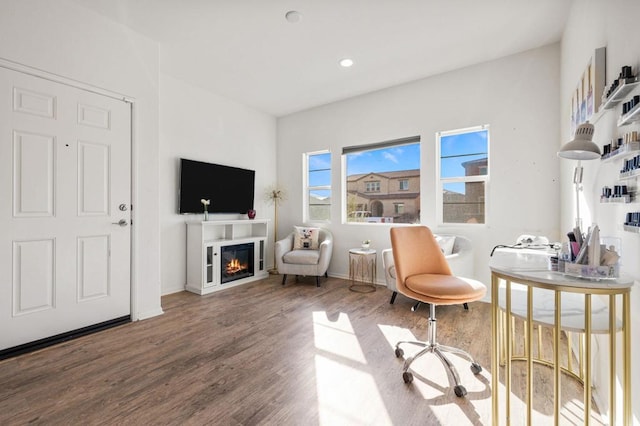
<point>63,337</point>
<point>149,314</point>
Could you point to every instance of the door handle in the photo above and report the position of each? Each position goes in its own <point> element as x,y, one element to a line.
<point>121,222</point>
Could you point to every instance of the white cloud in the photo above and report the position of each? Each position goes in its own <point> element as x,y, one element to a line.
<point>389,156</point>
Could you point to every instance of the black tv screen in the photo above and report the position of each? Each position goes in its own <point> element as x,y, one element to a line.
<point>229,189</point>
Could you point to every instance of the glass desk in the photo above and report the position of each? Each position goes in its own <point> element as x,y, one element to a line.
<point>532,308</point>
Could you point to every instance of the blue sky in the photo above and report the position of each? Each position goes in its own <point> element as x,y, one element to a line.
<point>405,157</point>
<point>455,150</point>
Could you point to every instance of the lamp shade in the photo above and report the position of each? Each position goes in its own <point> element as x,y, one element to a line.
<point>581,147</point>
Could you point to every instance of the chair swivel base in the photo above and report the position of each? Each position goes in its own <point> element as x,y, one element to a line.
<point>438,351</point>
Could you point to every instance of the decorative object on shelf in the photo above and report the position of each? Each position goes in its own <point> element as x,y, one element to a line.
<point>624,145</point>
<point>366,244</point>
<point>205,204</point>
<point>580,148</point>
<point>619,194</point>
<point>632,222</point>
<point>630,167</point>
<point>275,195</point>
<point>618,88</point>
<point>251,214</point>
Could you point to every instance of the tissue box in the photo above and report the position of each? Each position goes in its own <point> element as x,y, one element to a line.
<point>592,272</point>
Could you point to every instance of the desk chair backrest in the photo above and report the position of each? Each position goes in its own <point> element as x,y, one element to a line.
<point>416,251</point>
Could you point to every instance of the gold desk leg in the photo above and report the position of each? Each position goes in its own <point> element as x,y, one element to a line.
<point>612,360</point>
<point>569,357</point>
<point>557,330</point>
<point>507,367</point>
<point>626,354</point>
<point>529,348</point>
<point>540,352</point>
<point>495,339</point>
<point>587,355</point>
<point>581,355</point>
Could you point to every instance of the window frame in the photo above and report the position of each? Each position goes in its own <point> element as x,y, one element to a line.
<point>372,183</point>
<point>440,181</point>
<point>307,188</point>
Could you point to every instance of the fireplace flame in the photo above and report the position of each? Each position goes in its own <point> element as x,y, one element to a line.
<point>234,266</point>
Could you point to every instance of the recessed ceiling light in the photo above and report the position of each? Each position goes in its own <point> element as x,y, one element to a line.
<point>293,16</point>
<point>346,62</point>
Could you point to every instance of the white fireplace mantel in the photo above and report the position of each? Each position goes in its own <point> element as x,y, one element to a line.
<point>205,240</point>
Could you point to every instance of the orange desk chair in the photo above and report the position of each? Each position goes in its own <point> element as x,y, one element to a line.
<point>422,273</point>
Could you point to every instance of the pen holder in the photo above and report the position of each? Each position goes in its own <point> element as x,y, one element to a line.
<point>592,272</point>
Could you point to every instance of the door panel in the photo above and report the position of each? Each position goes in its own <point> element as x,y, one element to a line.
<point>65,167</point>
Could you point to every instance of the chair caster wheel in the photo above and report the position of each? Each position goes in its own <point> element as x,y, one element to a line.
<point>476,368</point>
<point>460,391</point>
<point>399,353</point>
<point>408,377</point>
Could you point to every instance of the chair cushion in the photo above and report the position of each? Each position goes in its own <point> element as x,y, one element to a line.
<point>305,238</point>
<point>447,288</point>
<point>302,257</point>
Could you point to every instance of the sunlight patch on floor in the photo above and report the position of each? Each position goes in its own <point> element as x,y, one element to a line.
<point>344,387</point>
<point>343,391</point>
<point>336,336</point>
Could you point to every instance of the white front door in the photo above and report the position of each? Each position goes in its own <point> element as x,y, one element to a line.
<point>65,183</point>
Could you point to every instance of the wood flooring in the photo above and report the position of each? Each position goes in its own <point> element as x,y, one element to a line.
<point>267,354</point>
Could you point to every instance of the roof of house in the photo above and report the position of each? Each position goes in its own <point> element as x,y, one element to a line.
<point>388,175</point>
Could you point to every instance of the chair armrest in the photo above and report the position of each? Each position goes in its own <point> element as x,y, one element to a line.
<point>282,247</point>
<point>326,249</point>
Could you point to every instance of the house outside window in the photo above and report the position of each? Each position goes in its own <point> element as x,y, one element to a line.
<point>463,175</point>
<point>373,192</point>
<point>317,194</point>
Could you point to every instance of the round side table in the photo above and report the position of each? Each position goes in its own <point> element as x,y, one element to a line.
<point>362,270</point>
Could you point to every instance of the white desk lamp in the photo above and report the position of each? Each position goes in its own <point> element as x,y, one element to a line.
<point>580,148</point>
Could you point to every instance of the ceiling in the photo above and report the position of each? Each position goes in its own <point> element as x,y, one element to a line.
<point>247,51</point>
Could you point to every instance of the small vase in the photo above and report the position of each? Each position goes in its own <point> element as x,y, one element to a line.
<point>206,215</point>
<point>365,246</point>
<point>251,213</point>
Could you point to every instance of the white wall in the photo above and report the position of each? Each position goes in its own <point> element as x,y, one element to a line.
<point>594,24</point>
<point>64,38</point>
<point>517,96</point>
<point>204,126</point>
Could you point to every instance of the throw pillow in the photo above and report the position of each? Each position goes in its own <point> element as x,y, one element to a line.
<point>305,238</point>
<point>446,243</point>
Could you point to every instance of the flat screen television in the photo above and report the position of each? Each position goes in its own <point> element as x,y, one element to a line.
<point>229,189</point>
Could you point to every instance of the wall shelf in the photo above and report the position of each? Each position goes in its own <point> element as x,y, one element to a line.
<point>634,229</point>
<point>617,200</point>
<point>618,95</point>
<point>631,148</point>
<point>630,175</point>
<point>630,117</point>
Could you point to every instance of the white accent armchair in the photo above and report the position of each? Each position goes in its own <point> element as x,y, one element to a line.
<point>460,261</point>
<point>304,262</point>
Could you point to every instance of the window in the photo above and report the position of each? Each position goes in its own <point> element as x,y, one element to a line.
<point>463,176</point>
<point>372,193</point>
<point>373,186</point>
<point>317,197</point>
